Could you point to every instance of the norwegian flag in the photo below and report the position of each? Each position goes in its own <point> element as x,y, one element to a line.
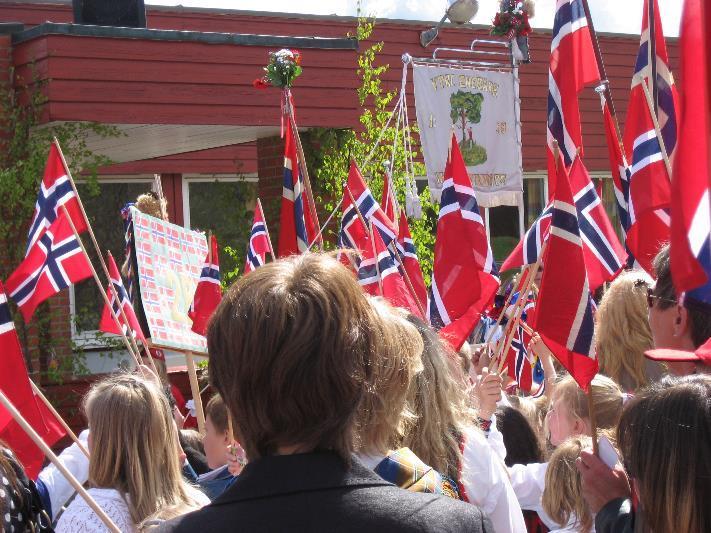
<point>564,309</point>
<point>528,249</point>
<point>54,262</point>
<point>690,253</point>
<point>519,360</point>
<point>464,277</point>
<point>56,190</point>
<point>208,293</point>
<point>369,207</point>
<point>297,229</point>
<point>15,384</point>
<point>258,241</point>
<point>621,171</point>
<point>389,200</point>
<point>650,189</point>
<point>119,300</point>
<point>604,255</point>
<point>379,275</point>
<point>572,66</point>
<point>410,262</point>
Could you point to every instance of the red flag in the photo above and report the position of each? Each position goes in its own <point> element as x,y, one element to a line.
<point>15,383</point>
<point>389,200</point>
<point>119,300</point>
<point>54,262</point>
<point>572,66</point>
<point>690,254</point>
<point>565,310</point>
<point>258,241</point>
<point>208,293</point>
<point>297,229</point>
<point>618,166</point>
<point>410,262</point>
<point>464,278</point>
<point>55,191</point>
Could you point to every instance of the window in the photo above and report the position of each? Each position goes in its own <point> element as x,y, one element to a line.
<point>224,206</point>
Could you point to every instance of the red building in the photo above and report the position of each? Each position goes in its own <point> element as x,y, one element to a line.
<point>181,93</point>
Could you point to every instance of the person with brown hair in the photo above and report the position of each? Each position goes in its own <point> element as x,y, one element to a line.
<point>623,334</point>
<point>292,348</point>
<point>444,434</point>
<point>563,496</point>
<point>134,464</point>
<point>664,437</point>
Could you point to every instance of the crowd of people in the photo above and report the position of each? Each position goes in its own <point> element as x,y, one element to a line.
<point>333,411</point>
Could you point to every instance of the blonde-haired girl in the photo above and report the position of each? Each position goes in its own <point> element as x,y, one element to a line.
<point>563,496</point>
<point>623,333</point>
<point>135,466</point>
<point>569,416</point>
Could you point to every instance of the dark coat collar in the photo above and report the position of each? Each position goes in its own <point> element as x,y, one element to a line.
<point>286,474</point>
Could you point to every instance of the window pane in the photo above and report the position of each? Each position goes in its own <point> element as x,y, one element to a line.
<point>104,212</point>
<point>503,227</point>
<point>610,203</point>
<point>226,208</point>
<point>533,199</point>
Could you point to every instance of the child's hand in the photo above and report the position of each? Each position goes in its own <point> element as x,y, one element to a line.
<point>236,459</point>
<point>488,392</point>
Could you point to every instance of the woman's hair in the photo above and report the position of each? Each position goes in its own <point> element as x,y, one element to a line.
<point>664,437</point>
<point>563,494</point>
<point>190,438</point>
<point>607,400</point>
<point>522,442</point>
<point>534,411</point>
<point>622,329</point>
<point>135,445</point>
<point>290,348</point>
<point>439,402</point>
<point>216,410</point>
<point>384,413</point>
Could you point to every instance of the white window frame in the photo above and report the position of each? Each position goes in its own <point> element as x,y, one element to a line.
<point>206,178</point>
<point>90,340</point>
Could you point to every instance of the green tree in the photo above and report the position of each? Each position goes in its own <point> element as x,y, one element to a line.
<point>466,107</point>
<point>331,151</point>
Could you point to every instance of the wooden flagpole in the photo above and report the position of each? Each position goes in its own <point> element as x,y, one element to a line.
<point>17,416</point>
<point>375,254</point>
<point>506,305</point>
<point>96,247</point>
<point>101,289</point>
<point>406,276</point>
<point>52,410</point>
<point>657,129</point>
<point>266,230</point>
<point>593,421</point>
<point>300,149</point>
<point>195,390</point>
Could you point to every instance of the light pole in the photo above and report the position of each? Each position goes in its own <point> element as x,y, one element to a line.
<point>458,12</point>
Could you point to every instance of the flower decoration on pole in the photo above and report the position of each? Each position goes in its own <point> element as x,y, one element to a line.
<point>283,68</point>
<point>511,22</point>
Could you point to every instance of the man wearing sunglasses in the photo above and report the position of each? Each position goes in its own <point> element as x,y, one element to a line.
<point>676,326</point>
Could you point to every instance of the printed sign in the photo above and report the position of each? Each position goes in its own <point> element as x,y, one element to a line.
<point>170,259</point>
<point>479,107</point>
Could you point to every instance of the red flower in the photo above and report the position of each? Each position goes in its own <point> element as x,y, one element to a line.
<point>297,56</point>
<point>261,83</point>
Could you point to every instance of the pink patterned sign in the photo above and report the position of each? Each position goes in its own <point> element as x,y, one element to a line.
<point>170,259</point>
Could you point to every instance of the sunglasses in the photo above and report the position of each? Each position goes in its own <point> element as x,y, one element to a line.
<point>651,297</point>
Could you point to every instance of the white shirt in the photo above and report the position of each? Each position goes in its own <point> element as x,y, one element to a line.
<point>57,486</point>
<point>486,483</point>
<point>80,518</point>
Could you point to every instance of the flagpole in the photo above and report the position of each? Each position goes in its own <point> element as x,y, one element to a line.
<point>506,305</point>
<point>101,288</point>
<point>652,52</point>
<point>32,434</point>
<point>408,280</point>
<point>195,390</point>
<point>96,244</point>
<point>54,412</point>
<point>375,254</point>
<point>300,149</point>
<point>592,415</point>
<point>266,230</point>
<point>601,68</point>
<point>657,129</point>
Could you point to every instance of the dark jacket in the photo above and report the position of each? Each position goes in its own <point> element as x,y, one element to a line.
<point>616,516</point>
<point>215,482</point>
<point>317,492</point>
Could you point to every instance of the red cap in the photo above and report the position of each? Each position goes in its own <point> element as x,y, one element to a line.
<point>701,355</point>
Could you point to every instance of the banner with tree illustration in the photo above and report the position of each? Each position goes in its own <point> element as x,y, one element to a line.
<point>479,105</point>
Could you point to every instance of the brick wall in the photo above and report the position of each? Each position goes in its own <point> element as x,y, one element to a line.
<point>270,170</point>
